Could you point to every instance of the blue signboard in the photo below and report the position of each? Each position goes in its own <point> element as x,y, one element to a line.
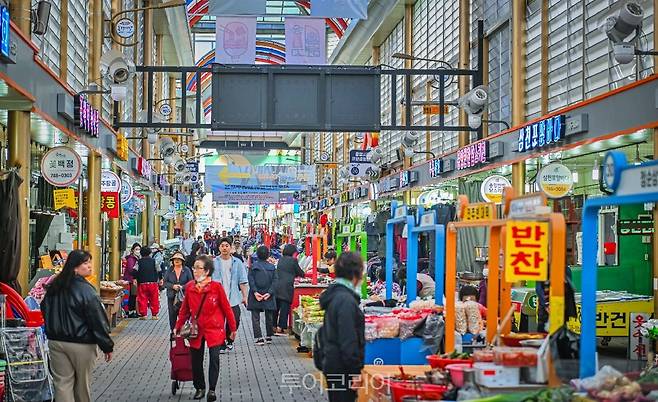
<point>4,31</point>
<point>541,133</point>
<point>435,168</point>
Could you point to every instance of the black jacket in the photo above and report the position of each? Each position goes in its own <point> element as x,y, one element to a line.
<point>287,269</point>
<point>77,315</point>
<point>344,326</point>
<point>170,280</point>
<point>147,271</point>
<point>262,279</point>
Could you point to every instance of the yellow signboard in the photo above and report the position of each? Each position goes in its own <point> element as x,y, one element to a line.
<point>434,109</point>
<point>122,147</point>
<point>614,318</point>
<point>479,212</point>
<point>64,198</point>
<point>526,251</point>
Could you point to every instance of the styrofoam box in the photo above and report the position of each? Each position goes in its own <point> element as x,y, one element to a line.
<point>491,375</point>
<point>66,237</point>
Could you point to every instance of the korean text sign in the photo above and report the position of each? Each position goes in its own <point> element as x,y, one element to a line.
<point>526,252</point>
<point>110,204</point>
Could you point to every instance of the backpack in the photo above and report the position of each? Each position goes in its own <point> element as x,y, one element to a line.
<point>318,347</point>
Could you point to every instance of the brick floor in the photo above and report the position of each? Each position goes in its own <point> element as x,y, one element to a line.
<point>140,368</point>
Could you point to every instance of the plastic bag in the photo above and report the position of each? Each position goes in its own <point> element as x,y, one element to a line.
<point>408,324</point>
<point>565,351</point>
<point>387,326</point>
<point>473,317</point>
<point>431,332</point>
<point>371,332</point>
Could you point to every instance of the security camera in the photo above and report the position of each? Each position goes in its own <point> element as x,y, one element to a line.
<point>474,101</point>
<point>409,152</point>
<point>167,147</point>
<point>116,66</point>
<point>474,121</point>
<point>180,165</point>
<point>343,173</point>
<point>168,160</point>
<point>624,52</point>
<point>118,92</point>
<point>183,177</point>
<point>623,23</point>
<point>410,139</point>
<point>376,156</point>
<point>152,138</point>
<point>40,17</point>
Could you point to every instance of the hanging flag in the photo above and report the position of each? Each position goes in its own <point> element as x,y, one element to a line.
<point>236,7</point>
<point>306,41</point>
<point>340,9</point>
<point>236,40</point>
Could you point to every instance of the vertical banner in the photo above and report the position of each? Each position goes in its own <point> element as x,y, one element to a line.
<point>306,41</point>
<point>110,202</point>
<point>340,9</point>
<point>236,40</point>
<point>236,7</point>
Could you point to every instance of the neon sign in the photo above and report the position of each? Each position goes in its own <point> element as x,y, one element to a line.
<point>85,116</point>
<point>472,155</point>
<point>539,134</point>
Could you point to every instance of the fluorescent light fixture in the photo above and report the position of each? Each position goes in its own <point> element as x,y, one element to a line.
<point>574,176</point>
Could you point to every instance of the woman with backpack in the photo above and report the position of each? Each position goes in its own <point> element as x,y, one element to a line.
<point>340,343</point>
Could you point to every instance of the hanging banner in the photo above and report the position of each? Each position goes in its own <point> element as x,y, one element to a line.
<point>251,197</point>
<point>492,188</point>
<point>64,198</point>
<point>126,191</point>
<point>263,178</point>
<point>110,204</point>
<point>555,180</point>
<point>61,166</point>
<point>110,182</point>
<point>305,41</point>
<point>236,7</point>
<point>236,40</point>
<point>340,9</point>
<point>526,252</point>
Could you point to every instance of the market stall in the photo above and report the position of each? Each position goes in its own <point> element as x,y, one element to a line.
<point>356,239</point>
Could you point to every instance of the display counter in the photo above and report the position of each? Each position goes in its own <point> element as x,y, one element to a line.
<point>303,290</point>
<point>373,390</point>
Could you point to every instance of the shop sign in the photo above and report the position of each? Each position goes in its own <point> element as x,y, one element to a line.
<point>435,168</point>
<point>110,182</point>
<point>472,155</point>
<point>126,191</point>
<point>64,198</point>
<point>110,204</point>
<point>323,203</point>
<point>479,212</point>
<point>61,166</point>
<point>360,165</point>
<point>526,251</point>
<point>165,109</point>
<point>542,133</point>
<point>85,116</point>
<point>635,227</point>
<point>492,188</point>
<point>638,344</point>
<point>144,168</point>
<point>400,212</point>
<point>344,197</point>
<point>4,31</point>
<point>614,318</point>
<point>124,28</point>
<point>404,178</point>
<point>625,179</point>
<point>555,180</point>
<point>526,205</point>
<point>193,167</point>
<point>122,147</point>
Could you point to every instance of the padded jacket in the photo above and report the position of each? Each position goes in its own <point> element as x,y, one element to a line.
<point>77,315</point>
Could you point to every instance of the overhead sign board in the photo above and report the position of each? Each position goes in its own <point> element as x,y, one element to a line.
<point>4,31</point>
<point>542,133</point>
<point>472,155</point>
<point>435,168</point>
<point>264,178</point>
<point>252,197</point>
<point>61,166</point>
<point>555,180</point>
<point>85,116</point>
<point>526,251</point>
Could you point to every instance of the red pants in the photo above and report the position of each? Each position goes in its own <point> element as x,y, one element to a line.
<point>148,294</point>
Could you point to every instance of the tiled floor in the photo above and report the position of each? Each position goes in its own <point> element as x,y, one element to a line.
<point>140,368</point>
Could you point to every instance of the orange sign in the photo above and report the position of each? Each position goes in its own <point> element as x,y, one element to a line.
<point>110,204</point>
<point>434,109</point>
<point>526,251</point>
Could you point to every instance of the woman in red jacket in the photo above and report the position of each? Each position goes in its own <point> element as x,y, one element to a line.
<point>206,301</point>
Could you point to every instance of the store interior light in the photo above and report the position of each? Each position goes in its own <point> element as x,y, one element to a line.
<point>574,176</point>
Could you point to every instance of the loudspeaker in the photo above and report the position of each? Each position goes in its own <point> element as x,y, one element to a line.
<point>40,17</point>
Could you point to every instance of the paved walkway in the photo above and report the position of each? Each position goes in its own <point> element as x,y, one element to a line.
<point>140,368</point>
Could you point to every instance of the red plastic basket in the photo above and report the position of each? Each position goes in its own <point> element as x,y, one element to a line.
<point>401,389</point>
<point>437,361</point>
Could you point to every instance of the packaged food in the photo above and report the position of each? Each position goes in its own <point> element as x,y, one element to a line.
<point>370,329</point>
<point>388,326</point>
<point>408,324</point>
<point>483,355</point>
<point>473,317</point>
<point>461,324</point>
<point>515,357</point>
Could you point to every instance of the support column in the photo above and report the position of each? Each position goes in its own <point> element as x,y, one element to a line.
<point>464,63</point>
<point>172,97</point>
<point>156,221</point>
<point>518,85</point>
<point>18,136</point>
<point>115,251</point>
<point>428,121</point>
<point>146,147</point>
<point>408,49</point>
<point>94,213</point>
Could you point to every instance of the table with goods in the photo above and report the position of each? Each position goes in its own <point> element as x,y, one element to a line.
<point>112,294</point>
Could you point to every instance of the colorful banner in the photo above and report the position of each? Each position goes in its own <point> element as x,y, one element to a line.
<point>64,198</point>
<point>263,178</point>
<point>526,251</point>
<point>236,40</point>
<point>251,197</point>
<point>305,41</point>
<point>236,7</point>
<point>110,202</point>
<point>340,9</point>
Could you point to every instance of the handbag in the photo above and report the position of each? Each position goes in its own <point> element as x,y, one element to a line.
<point>190,329</point>
<point>178,298</point>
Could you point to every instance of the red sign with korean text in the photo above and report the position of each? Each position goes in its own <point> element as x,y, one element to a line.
<point>110,203</point>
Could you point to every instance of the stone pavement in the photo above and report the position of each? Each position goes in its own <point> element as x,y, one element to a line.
<point>140,368</point>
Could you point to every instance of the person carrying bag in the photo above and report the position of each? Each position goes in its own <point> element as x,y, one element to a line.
<point>175,280</point>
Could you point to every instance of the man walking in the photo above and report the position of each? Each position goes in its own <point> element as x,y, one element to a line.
<point>232,274</point>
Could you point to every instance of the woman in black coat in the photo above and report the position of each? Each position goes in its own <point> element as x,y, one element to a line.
<point>175,279</point>
<point>287,269</point>
<point>262,284</point>
<point>343,330</point>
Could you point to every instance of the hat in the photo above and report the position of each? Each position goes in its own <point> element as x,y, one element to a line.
<point>155,246</point>
<point>178,255</point>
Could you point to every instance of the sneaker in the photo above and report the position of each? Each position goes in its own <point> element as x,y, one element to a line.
<point>229,345</point>
<point>268,340</point>
<point>155,317</point>
<point>211,396</point>
<point>283,332</point>
<point>260,342</point>
<point>222,349</point>
<point>142,317</point>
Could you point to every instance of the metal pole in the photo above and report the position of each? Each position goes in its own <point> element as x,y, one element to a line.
<point>464,63</point>
<point>81,198</point>
<point>408,49</point>
<point>518,85</point>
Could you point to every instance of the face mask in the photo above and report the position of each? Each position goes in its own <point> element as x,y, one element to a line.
<point>201,278</point>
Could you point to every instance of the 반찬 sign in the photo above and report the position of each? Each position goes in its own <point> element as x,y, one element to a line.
<point>526,252</point>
